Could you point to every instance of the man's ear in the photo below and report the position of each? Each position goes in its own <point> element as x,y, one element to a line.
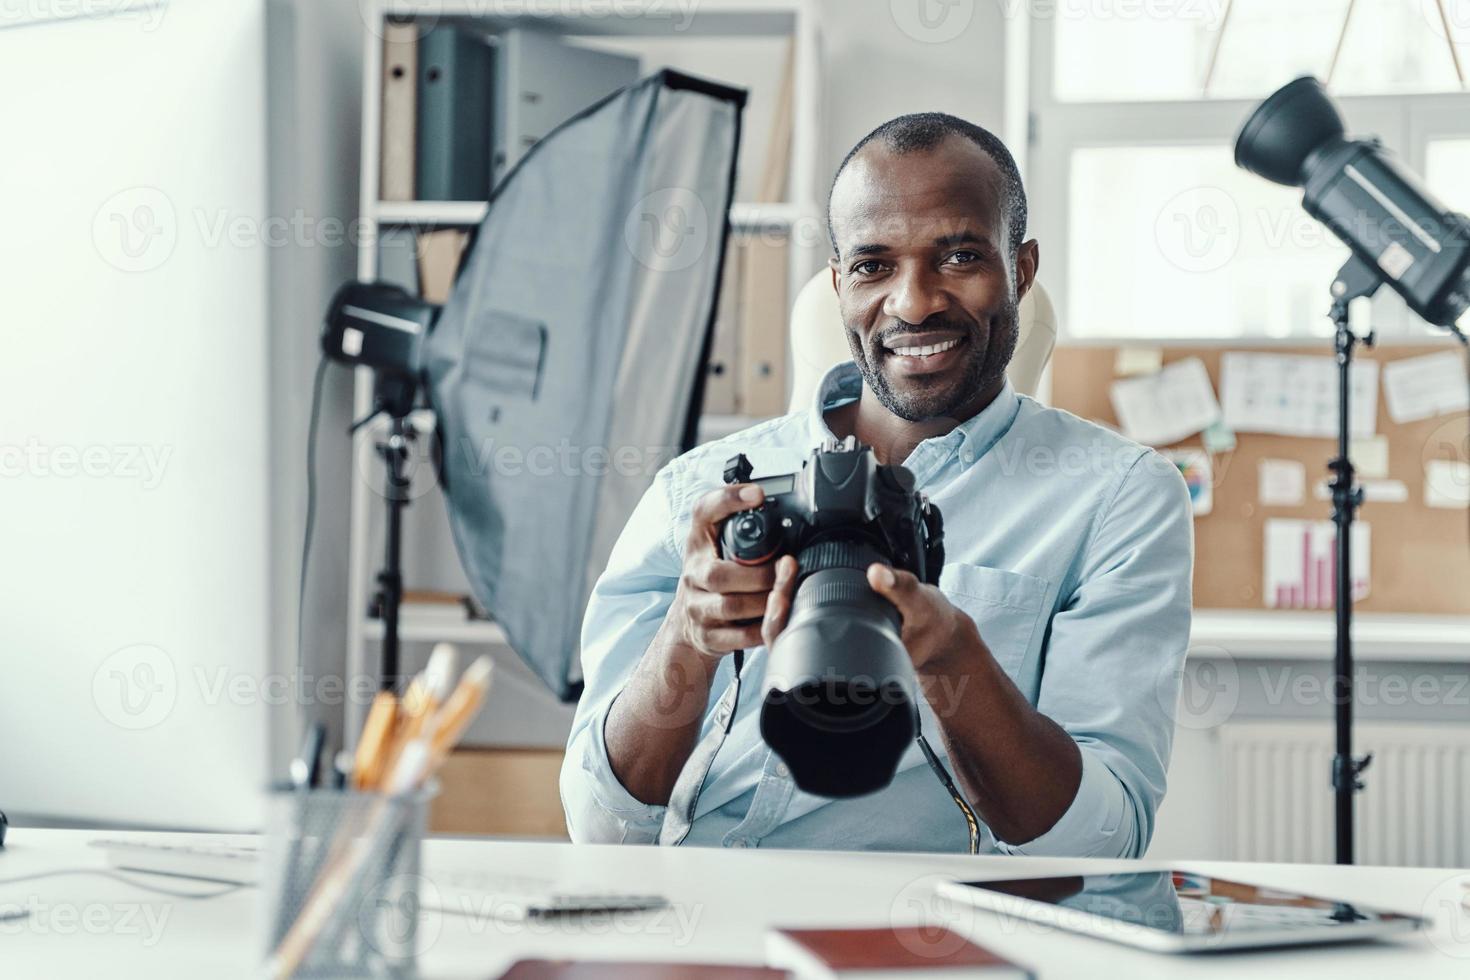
<point>832,264</point>
<point>1028,259</point>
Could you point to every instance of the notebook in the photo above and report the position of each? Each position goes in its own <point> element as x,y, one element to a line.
<point>898,953</point>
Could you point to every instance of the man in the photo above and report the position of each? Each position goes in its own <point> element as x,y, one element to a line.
<point>1049,653</point>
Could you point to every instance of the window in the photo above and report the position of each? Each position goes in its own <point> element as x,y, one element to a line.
<point>1148,229</point>
<point>1150,50</point>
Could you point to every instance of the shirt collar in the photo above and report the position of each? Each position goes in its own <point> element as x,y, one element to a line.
<point>843,383</point>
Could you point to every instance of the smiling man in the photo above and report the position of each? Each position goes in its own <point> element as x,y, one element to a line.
<point>1050,651</point>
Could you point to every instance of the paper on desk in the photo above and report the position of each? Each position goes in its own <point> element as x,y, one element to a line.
<point>1161,408</point>
<point>1294,394</point>
<point>1420,387</point>
<point>1283,483</point>
<point>1194,466</point>
<point>1301,562</point>
<point>1446,483</point>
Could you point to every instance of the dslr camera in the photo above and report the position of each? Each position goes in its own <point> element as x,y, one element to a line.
<point>839,698</point>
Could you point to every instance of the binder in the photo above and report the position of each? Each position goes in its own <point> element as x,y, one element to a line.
<point>541,80</point>
<point>400,111</point>
<point>439,255</point>
<point>455,78</point>
<point>762,385</point>
<point>721,380</point>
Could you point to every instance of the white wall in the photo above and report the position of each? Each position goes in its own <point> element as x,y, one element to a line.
<point>314,114</point>
<point>133,434</point>
<point>884,58</point>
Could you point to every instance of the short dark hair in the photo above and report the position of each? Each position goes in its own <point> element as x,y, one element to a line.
<point>922,131</point>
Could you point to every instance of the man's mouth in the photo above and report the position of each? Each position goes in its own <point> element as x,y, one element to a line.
<point>921,353</point>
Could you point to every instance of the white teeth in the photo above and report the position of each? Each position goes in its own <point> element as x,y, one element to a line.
<point>924,351</point>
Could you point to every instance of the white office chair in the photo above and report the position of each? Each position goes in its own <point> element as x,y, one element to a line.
<point>817,340</point>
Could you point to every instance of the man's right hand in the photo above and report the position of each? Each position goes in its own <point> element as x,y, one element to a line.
<point>720,604</point>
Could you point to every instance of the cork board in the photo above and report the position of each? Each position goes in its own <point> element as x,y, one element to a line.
<point>1420,555</point>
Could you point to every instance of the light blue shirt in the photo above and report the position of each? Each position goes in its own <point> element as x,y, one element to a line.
<point>1071,548</point>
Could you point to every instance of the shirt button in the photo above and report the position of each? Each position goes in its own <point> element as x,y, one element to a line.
<point>782,771</point>
<point>740,842</point>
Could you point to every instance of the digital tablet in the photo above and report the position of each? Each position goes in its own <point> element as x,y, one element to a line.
<point>1180,911</point>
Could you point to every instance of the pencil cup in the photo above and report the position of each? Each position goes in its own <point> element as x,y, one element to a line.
<point>341,882</point>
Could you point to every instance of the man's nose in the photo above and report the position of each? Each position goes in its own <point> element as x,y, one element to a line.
<point>915,297</point>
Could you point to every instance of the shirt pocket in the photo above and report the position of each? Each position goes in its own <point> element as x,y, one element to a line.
<point>1006,606</point>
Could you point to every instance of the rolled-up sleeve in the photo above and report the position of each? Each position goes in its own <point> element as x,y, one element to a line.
<point>626,608</point>
<point>1114,662</point>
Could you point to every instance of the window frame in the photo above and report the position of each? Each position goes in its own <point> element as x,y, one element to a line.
<point>1405,123</point>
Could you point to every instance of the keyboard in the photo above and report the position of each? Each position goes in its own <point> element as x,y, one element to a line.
<point>229,863</point>
<point>474,894</point>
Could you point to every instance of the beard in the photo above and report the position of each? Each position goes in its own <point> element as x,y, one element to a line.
<point>920,398</point>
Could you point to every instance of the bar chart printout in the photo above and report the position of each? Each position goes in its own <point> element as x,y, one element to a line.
<point>1301,563</point>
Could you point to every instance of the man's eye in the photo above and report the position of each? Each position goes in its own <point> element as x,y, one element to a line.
<point>963,257</point>
<point>869,268</point>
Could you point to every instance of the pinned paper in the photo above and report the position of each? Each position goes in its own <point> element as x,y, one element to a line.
<point>1370,457</point>
<point>1374,491</point>
<point>1295,394</point>
<point>1133,361</point>
<point>1161,408</point>
<point>1447,483</point>
<point>1194,466</point>
<point>1218,438</point>
<point>1301,563</point>
<point>1421,387</point>
<point>1283,483</point>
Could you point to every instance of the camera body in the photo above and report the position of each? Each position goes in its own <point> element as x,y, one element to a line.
<point>840,694</point>
<point>841,491</point>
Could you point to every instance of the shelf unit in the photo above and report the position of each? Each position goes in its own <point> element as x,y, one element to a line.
<point>798,217</point>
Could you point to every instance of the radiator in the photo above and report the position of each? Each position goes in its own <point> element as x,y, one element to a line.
<point>1414,812</point>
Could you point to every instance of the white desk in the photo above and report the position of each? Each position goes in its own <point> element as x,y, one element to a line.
<point>89,926</point>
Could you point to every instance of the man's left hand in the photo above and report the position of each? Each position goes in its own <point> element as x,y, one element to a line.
<point>933,630</point>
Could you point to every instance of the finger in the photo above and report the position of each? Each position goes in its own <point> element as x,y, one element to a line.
<point>736,607</point>
<point>897,586</point>
<point>722,575</point>
<point>725,639</point>
<point>715,506</point>
<point>778,603</point>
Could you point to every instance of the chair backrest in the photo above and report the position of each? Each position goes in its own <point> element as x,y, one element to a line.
<point>817,340</point>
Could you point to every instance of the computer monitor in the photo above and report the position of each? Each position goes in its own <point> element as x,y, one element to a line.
<point>137,686</point>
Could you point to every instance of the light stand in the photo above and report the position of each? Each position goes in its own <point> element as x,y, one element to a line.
<point>1355,280</point>
<point>393,396</point>
<point>1399,235</point>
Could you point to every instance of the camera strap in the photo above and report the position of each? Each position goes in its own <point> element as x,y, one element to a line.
<point>679,816</point>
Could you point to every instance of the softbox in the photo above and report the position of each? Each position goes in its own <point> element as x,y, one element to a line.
<point>567,365</point>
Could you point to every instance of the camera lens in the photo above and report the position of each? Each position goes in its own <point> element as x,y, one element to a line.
<point>840,691</point>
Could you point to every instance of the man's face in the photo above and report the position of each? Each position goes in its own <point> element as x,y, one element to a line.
<point>924,276</point>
